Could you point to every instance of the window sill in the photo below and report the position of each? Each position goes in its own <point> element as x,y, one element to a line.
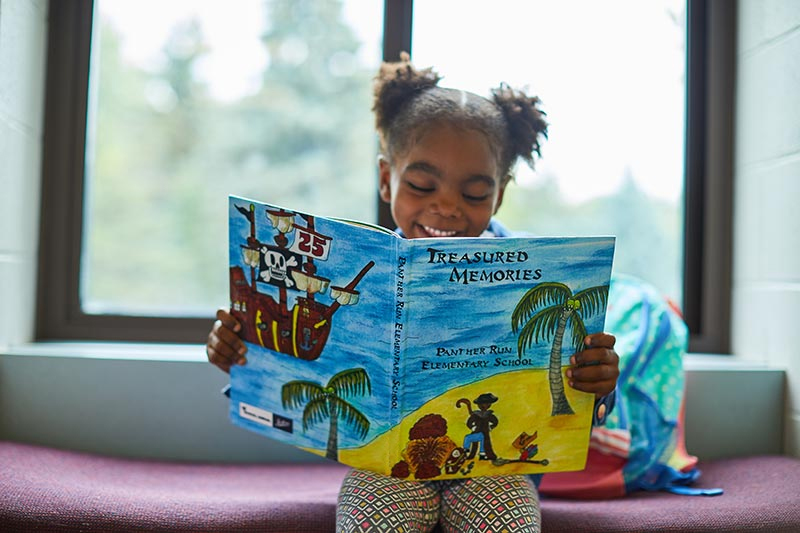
<point>138,389</point>
<point>698,362</point>
<point>129,351</point>
<point>111,350</point>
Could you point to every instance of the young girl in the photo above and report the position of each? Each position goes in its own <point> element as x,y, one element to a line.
<point>446,158</point>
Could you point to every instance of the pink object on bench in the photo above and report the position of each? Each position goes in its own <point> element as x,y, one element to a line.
<point>44,489</point>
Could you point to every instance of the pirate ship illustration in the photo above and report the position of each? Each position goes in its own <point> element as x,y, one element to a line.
<point>288,265</point>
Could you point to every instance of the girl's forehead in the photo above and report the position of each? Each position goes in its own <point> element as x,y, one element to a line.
<point>447,133</point>
<point>473,143</point>
<point>462,152</point>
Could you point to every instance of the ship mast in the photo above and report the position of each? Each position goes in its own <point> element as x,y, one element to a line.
<point>309,267</point>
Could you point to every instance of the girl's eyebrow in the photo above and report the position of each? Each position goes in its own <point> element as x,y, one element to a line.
<point>490,181</point>
<point>428,168</point>
<point>424,166</point>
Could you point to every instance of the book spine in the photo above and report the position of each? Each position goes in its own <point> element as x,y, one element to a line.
<point>400,333</point>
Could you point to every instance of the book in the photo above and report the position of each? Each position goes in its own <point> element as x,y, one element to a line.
<point>423,359</point>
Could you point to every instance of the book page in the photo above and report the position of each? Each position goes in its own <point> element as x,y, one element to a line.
<point>367,225</point>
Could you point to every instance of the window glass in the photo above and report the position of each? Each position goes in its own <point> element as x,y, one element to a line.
<point>611,76</point>
<point>191,101</point>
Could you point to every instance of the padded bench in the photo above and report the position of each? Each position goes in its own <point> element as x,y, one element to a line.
<point>46,489</point>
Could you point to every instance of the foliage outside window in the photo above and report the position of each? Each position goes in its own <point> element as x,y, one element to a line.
<point>270,100</point>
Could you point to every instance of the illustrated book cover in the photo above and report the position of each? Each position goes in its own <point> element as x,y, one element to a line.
<point>422,359</point>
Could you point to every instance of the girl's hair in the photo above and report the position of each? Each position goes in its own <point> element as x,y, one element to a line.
<point>407,101</point>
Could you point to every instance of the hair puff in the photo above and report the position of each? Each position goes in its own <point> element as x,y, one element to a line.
<point>526,121</point>
<point>395,85</point>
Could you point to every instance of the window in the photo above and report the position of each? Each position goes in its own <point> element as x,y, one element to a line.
<point>134,195</point>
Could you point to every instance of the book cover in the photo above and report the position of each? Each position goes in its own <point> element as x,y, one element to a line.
<point>421,359</point>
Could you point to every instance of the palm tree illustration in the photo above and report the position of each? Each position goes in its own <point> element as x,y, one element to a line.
<point>545,312</point>
<point>328,403</point>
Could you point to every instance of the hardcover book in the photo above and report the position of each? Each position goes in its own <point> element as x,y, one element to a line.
<point>422,359</point>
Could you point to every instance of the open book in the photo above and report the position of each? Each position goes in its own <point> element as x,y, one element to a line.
<point>421,359</point>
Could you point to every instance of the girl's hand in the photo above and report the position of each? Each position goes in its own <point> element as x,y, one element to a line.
<point>224,348</point>
<point>596,368</point>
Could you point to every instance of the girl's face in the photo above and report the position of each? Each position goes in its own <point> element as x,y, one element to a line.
<point>445,185</point>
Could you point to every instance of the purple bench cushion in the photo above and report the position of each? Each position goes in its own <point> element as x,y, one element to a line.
<point>47,488</point>
<point>44,489</point>
<point>761,494</point>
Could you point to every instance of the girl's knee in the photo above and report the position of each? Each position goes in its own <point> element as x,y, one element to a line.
<point>508,503</point>
<point>372,502</point>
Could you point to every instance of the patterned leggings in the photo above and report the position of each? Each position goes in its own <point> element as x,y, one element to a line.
<point>371,502</point>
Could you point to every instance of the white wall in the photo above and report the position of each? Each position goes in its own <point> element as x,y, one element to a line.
<point>766,274</point>
<point>22,59</point>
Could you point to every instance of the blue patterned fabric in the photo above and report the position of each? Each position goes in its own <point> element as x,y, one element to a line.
<point>652,340</point>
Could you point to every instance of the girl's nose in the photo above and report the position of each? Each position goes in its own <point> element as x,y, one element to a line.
<point>447,204</point>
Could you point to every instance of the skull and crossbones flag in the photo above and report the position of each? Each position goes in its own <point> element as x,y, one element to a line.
<point>275,264</point>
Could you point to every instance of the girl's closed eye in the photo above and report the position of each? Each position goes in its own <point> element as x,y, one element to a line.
<point>420,186</point>
<point>477,192</point>
<point>477,197</point>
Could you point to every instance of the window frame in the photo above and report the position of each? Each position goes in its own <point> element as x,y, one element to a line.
<point>708,170</point>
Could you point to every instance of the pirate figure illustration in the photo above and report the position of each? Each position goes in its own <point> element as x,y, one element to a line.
<point>480,422</point>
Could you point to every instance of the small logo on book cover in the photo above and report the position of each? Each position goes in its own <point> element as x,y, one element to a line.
<point>281,422</point>
<point>264,417</point>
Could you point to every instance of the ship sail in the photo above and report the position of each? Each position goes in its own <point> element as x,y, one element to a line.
<point>309,283</point>
<point>344,296</point>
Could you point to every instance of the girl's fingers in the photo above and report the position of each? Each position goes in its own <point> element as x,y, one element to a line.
<point>223,335</point>
<point>595,356</point>
<point>224,347</point>
<point>223,363</point>
<point>600,388</point>
<point>599,349</point>
<point>600,340</point>
<point>227,320</point>
<point>596,368</point>
<point>597,379</point>
<point>593,374</point>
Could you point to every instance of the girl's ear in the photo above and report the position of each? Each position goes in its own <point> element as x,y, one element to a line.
<point>385,179</point>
